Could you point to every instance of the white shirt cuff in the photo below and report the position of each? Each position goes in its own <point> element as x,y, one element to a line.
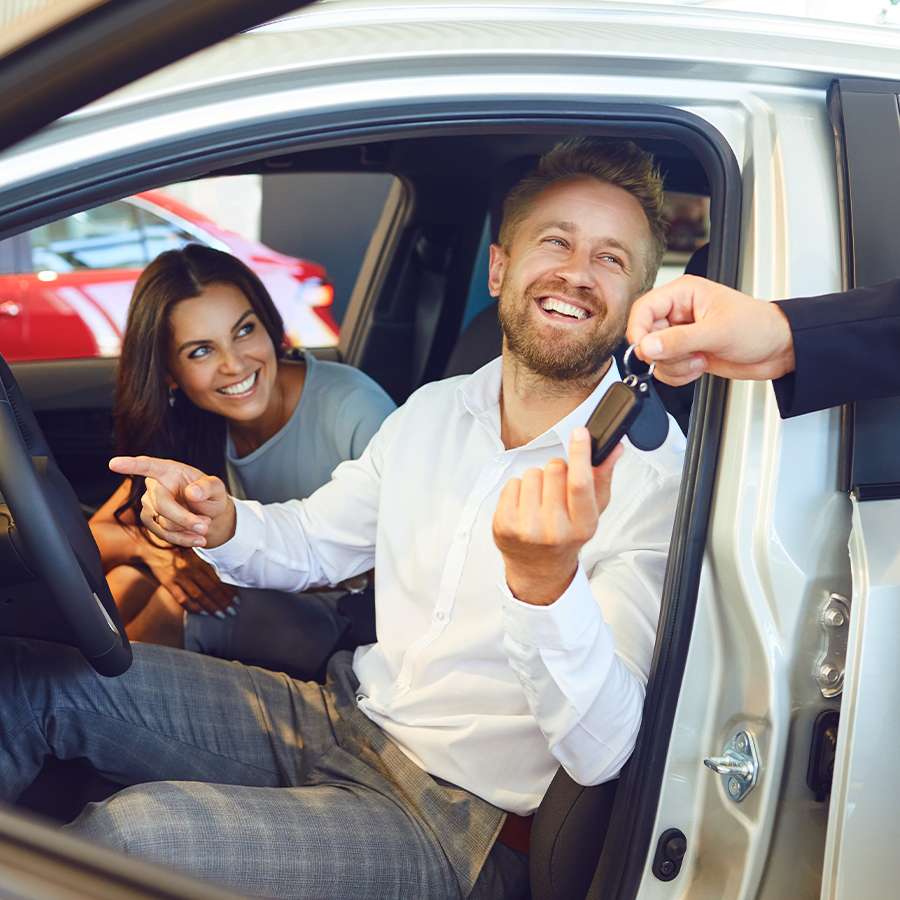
<point>559,626</point>
<point>249,534</point>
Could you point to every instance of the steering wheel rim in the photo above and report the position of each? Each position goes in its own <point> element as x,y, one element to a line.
<point>60,549</point>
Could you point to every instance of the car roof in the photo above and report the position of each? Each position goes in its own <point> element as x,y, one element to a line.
<point>648,39</point>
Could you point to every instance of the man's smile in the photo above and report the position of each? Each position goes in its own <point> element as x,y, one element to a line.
<point>559,308</point>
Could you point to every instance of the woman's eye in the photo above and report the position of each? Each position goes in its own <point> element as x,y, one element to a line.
<point>246,329</point>
<point>199,352</point>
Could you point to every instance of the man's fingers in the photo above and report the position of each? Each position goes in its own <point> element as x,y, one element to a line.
<point>581,497</point>
<point>165,507</point>
<point>529,512</point>
<point>206,495</point>
<point>682,371</point>
<point>151,467</point>
<point>677,343</point>
<point>169,532</point>
<point>603,478</point>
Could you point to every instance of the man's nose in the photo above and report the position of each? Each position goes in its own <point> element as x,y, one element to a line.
<point>575,269</point>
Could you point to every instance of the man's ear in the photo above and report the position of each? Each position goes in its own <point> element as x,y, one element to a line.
<point>496,270</point>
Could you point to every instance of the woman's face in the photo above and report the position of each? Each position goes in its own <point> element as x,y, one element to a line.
<point>221,356</point>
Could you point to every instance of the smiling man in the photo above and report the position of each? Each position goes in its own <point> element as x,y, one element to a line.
<point>517,600</point>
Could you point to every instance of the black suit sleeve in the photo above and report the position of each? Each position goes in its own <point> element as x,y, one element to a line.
<point>847,348</point>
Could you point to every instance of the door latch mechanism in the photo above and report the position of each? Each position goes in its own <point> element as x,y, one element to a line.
<point>738,765</point>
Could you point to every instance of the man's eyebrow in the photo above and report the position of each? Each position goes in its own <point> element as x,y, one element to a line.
<point>200,343</point>
<point>555,225</point>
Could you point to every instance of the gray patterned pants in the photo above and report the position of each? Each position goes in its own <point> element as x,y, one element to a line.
<point>249,779</point>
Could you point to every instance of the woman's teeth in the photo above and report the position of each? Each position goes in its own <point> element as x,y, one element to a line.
<point>241,388</point>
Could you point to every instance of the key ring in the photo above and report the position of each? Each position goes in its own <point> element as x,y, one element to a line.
<point>627,363</point>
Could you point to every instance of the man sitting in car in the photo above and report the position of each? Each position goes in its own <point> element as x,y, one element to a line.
<point>517,601</point>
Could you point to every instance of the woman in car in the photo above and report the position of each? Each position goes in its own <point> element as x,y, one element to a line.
<point>204,377</point>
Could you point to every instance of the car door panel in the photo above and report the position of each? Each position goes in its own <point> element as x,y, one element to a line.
<point>860,852</point>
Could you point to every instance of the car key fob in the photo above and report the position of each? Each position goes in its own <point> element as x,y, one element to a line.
<point>617,411</point>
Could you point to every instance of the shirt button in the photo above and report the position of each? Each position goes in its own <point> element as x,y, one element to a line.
<point>498,460</point>
<point>439,615</point>
<point>400,685</point>
<point>463,534</point>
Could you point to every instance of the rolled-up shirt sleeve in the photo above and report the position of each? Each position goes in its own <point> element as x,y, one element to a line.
<point>584,660</point>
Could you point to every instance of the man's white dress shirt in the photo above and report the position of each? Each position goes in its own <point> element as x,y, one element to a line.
<point>478,688</point>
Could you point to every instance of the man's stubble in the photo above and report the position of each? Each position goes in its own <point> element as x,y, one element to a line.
<point>560,357</point>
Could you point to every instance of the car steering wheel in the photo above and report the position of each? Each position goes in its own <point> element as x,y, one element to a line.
<point>52,584</point>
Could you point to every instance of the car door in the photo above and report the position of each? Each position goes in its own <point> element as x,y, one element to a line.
<point>790,681</point>
<point>860,853</point>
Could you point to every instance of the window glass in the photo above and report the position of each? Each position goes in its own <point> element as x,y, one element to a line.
<point>687,230</point>
<point>70,282</point>
<point>103,238</point>
<point>159,235</point>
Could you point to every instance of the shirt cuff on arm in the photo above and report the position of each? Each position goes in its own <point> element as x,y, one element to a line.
<point>559,626</point>
<point>249,533</point>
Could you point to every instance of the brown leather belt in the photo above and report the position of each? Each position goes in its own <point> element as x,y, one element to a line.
<point>516,832</point>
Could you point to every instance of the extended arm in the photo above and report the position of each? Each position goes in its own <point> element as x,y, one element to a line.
<point>820,351</point>
<point>291,546</point>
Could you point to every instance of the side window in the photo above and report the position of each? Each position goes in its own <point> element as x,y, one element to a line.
<point>108,237</point>
<point>65,286</point>
<point>687,220</point>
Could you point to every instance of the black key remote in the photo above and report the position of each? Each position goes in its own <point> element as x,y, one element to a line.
<point>616,412</point>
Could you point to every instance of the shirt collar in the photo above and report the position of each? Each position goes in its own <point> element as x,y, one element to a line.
<point>479,395</point>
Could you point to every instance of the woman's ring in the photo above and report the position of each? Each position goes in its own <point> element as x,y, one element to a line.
<point>156,518</point>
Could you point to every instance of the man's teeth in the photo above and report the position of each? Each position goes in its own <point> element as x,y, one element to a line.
<point>551,304</point>
<point>241,388</point>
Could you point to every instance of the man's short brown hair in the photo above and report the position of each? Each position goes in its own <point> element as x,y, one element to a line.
<point>621,163</point>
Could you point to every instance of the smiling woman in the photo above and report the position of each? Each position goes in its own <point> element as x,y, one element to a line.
<point>204,377</point>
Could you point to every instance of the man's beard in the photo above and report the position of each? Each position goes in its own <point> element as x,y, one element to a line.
<point>560,357</point>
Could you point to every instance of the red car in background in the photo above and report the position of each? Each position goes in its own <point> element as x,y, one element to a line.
<point>65,286</point>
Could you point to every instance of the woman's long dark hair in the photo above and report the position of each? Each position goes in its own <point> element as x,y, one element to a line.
<point>144,422</point>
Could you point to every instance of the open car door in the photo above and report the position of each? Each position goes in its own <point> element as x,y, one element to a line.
<point>860,852</point>
<point>770,783</point>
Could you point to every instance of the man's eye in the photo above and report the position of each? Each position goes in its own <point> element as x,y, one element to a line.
<point>559,242</point>
<point>610,258</point>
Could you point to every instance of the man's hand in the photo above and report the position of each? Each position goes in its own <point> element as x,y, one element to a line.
<point>544,519</point>
<point>693,325</point>
<point>181,505</point>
